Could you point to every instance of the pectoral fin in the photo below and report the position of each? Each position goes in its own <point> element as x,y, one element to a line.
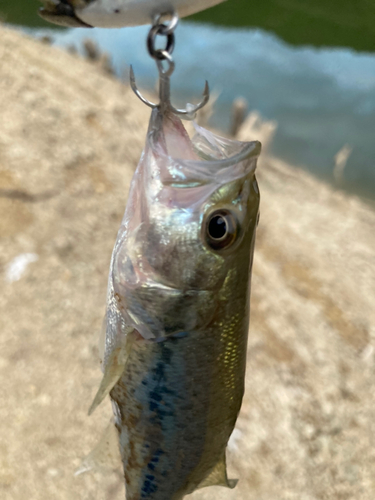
<point>114,368</point>
<point>105,455</point>
<point>218,476</point>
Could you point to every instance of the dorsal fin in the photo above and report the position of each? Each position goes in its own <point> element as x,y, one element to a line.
<point>218,476</point>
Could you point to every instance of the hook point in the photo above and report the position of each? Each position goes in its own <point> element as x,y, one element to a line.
<point>134,87</point>
<point>206,91</point>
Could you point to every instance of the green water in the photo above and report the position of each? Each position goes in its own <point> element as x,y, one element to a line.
<point>335,23</point>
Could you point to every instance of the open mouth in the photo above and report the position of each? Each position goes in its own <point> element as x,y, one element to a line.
<point>61,12</point>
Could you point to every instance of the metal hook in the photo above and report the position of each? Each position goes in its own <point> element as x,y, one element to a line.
<point>161,56</point>
<point>164,94</point>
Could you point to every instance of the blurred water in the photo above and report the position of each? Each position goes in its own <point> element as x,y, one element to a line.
<point>337,23</point>
<point>322,99</point>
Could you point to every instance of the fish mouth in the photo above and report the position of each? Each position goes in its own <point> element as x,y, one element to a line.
<point>210,159</point>
<point>62,13</point>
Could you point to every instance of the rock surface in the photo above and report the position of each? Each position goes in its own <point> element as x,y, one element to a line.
<point>70,138</point>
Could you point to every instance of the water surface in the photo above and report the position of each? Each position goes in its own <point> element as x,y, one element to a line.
<point>339,23</point>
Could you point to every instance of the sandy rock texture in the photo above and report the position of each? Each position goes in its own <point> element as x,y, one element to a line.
<point>70,138</point>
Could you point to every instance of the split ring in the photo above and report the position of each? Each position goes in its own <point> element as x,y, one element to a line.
<point>151,38</point>
<point>168,28</point>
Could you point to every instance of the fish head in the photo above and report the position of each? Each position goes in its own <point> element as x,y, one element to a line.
<point>188,228</point>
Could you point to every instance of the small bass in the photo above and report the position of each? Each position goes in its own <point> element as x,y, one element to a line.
<point>116,13</point>
<point>178,309</point>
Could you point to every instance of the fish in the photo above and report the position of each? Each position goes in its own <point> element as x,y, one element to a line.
<point>177,317</point>
<point>116,13</point>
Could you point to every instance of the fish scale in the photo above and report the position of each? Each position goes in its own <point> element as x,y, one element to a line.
<point>177,412</point>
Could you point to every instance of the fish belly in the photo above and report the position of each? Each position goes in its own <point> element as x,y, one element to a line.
<point>175,406</point>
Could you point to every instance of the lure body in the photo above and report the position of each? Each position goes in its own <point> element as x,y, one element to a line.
<point>178,309</point>
<point>117,13</point>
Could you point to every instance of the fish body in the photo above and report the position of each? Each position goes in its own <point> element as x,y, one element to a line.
<point>116,13</point>
<point>178,309</point>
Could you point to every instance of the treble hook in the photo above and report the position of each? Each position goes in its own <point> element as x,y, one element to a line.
<point>164,94</point>
<point>164,74</point>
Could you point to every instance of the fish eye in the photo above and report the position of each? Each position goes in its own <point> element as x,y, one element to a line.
<point>221,229</point>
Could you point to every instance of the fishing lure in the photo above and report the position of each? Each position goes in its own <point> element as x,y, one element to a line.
<point>178,300</point>
<point>116,13</point>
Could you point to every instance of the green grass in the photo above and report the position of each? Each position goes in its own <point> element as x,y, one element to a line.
<point>303,22</point>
